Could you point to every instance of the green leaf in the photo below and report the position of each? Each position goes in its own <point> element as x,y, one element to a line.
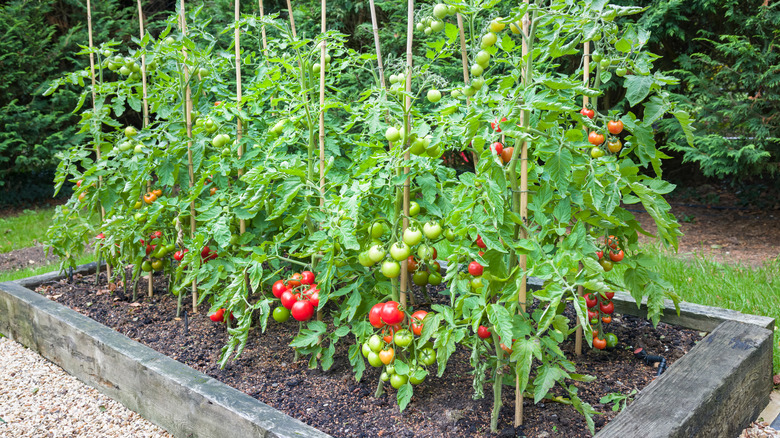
<point>404,396</point>
<point>523,353</point>
<point>546,376</point>
<point>637,88</point>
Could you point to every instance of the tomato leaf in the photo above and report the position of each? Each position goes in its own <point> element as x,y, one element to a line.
<point>637,88</point>
<point>404,396</point>
<point>546,376</point>
<point>523,353</point>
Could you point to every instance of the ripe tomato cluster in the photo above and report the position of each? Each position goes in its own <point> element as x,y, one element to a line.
<point>613,251</point>
<point>299,295</point>
<point>597,139</point>
<point>600,310</point>
<point>396,347</point>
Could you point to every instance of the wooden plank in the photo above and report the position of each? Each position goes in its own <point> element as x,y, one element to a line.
<point>185,402</point>
<point>715,390</point>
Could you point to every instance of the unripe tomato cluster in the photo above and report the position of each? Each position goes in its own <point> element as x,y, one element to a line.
<point>156,253</point>
<point>299,295</point>
<point>395,347</point>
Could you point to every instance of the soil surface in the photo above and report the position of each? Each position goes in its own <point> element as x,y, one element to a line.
<point>335,403</point>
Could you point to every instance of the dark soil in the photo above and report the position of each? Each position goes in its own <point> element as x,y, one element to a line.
<point>335,403</point>
<point>19,259</point>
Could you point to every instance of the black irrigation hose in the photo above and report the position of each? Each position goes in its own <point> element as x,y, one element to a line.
<point>651,359</point>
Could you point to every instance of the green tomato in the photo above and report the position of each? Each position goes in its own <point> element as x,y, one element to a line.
<point>596,57</point>
<point>316,68</point>
<point>364,260</point>
<point>441,10</point>
<point>611,339</point>
<point>374,360</point>
<point>146,266</point>
<point>434,279</point>
<point>432,230</point>
<point>425,252</point>
<point>476,70</point>
<point>399,251</point>
<point>420,278</point>
<point>478,83</point>
<point>456,93</point>
<point>412,236</point>
<point>376,253</point>
<point>365,349</point>
<point>385,376</point>
<point>449,235</point>
<point>488,40</point>
<point>417,380</point>
<point>376,230</point>
<point>281,314</point>
<point>391,269</point>
<point>403,338</point>
<point>437,26</point>
<point>596,152</point>
<point>418,146</point>
<point>392,134</point>
<point>414,209</point>
<point>397,381</point>
<point>434,96</point>
<point>476,284</point>
<point>427,356</point>
<point>130,131</point>
<point>375,343</point>
<point>483,58</point>
<point>621,71</point>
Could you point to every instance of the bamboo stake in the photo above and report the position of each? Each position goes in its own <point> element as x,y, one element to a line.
<point>376,44</point>
<point>522,298</point>
<point>407,130</point>
<point>585,81</point>
<point>465,58</point>
<point>94,111</point>
<point>239,123</point>
<point>292,20</point>
<point>323,65</point>
<point>262,29</point>
<point>188,121</point>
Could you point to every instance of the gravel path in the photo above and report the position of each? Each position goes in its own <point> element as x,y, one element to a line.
<point>38,399</point>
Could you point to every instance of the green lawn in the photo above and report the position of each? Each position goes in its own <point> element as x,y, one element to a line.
<point>742,288</point>
<point>24,230</point>
<point>29,272</point>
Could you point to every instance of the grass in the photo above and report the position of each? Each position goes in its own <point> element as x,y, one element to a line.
<point>24,230</point>
<point>754,290</point>
<point>29,272</point>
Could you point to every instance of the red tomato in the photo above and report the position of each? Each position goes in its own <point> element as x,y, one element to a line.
<point>218,316</point>
<point>592,314</point>
<point>411,264</point>
<point>599,343</point>
<point>307,277</point>
<point>100,236</point>
<point>616,256</point>
<point>611,242</point>
<point>607,308</point>
<point>600,254</point>
<point>498,147</point>
<point>390,313</point>
<point>606,319</point>
<point>417,324</point>
<point>590,300</point>
<point>475,269</point>
<point>484,333</point>
<point>302,310</point>
<point>295,280</point>
<point>278,288</point>
<point>375,315</point>
<point>609,295</point>
<point>589,113</point>
<point>288,299</point>
<point>615,127</point>
<point>479,242</point>
<point>595,138</point>
<point>496,124</point>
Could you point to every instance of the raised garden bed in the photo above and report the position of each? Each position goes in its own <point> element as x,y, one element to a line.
<point>737,382</point>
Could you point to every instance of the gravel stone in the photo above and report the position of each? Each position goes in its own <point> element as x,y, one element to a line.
<point>39,399</point>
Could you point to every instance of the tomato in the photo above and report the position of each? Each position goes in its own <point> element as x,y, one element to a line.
<point>596,56</point>
<point>595,138</point>
<point>392,134</point>
<point>420,278</point>
<point>277,289</point>
<point>433,96</point>
<point>179,255</point>
<point>425,252</point>
<point>302,311</point>
<point>621,71</point>
<point>595,333</point>
<point>616,256</point>
<point>427,356</point>
<point>475,269</point>
<point>434,267</point>
<point>476,70</point>
<point>391,315</point>
<point>212,191</point>
<point>414,209</point>
<point>434,278</point>
<point>592,314</point>
<point>479,242</point>
<point>391,269</point>
<point>496,125</point>
<point>606,264</point>
<point>488,40</point>
<point>281,314</point>
<point>403,338</point>
<point>156,235</point>
<point>376,230</point>
<point>606,319</point>
<point>615,127</point>
<point>599,255</point>
<point>498,148</point>
<point>157,192</point>
<point>288,299</point>
<point>609,295</point>
<point>599,343</point>
<point>374,360</point>
<point>218,316</point>
<point>295,280</point>
<point>375,343</point>
<point>506,154</point>
<point>611,339</point>
<point>412,236</point>
<point>314,297</point>
<point>307,277</point>
<point>417,321</point>
<point>411,264</point>
<point>476,283</point>
<point>596,152</point>
<point>449,235</point>
<point>385,377</point>
<point>387,356</point>
<point>587,112</point>
<point>158,265</point>
<point>496,25</point>
<point>432,230</point>
<point>150,197</point>
<point>399,251</point>
<point>397,381</point>
<point>365,349</point>
<point>607,308</point>
<point>364,259</point>
<point>130,131</point>
<point>150,248</point>
<point>590,300</point>
<point>414,380</point>
<point>611,242</point>
<point>508,350</point>
<point>146,266</point>
<point>614,145</point>
<point>375,315</point>
<point>483,332</point>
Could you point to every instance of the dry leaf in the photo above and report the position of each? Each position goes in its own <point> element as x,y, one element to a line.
<point>135,304</point>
